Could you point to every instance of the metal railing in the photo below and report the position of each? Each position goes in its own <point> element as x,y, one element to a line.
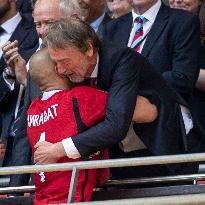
<point>76,166</point>
<point>192,199</point>
<point>126,162</point>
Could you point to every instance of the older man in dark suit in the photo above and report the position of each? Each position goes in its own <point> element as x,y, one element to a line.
<point>15,26</point>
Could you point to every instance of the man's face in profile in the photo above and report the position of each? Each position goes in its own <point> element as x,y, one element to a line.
<point>71,62</point>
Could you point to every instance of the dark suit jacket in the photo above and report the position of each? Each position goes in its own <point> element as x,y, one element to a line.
<point>105,20</point>
<point>24,6</point>
<point>172,45</point>
<point>27,37</point>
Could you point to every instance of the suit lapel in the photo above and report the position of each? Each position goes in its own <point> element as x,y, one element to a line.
<point>124,29</point>
<point>106,19</point>
<point>156,30</point>
<point>20,33</point>
<point>103,70</point>
<point>2,65</point>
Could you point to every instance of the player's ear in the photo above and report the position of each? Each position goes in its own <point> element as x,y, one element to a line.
<point>90,50</point>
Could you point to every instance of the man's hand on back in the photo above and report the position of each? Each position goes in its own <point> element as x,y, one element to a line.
<point>48,153</point>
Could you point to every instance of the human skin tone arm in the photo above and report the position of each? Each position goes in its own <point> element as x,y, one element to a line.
<point>145,112</point>
<point>200,84</point>
<point>2,149</point>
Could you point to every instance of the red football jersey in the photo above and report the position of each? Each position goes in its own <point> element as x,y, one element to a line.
<point>59,117</point>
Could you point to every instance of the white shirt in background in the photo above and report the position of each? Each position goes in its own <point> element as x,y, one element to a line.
<point>9,27</point>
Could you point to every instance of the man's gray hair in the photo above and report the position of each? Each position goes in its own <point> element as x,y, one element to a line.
<point>68,7</point>
<point>72,32</point>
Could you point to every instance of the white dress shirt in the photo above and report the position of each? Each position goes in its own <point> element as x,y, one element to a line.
<point>9,27</point>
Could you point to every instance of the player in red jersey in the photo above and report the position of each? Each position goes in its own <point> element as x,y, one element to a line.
<point>62,112</point>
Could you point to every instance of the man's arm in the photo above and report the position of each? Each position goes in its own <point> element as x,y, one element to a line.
<point>145,112</point>
<point>184,59</point>
<point>201,80</point>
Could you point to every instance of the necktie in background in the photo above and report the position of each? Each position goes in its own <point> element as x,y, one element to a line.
<point>1,30</point>
<point>138,37</point>
<point>17,115</point>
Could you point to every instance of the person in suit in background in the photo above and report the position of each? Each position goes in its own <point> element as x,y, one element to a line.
<point>20,28</point>
<point>24,6</point>
<point>197,7</point>
<point>93,12</point>
<point>170,40</point>
<point>118,8</point>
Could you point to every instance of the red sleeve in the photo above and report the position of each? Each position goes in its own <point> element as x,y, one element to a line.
<point>91,104</point>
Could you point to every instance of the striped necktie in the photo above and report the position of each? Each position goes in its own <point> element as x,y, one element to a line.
<point>138,37</point>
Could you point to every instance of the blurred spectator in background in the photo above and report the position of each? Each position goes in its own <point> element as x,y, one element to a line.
<point>197,7</point>
<point>93,12</point>
<point>24,6</point>
<point>118,8</point>
<point>21,28</point>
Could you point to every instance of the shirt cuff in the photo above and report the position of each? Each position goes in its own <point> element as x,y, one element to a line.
<point>70,148</point>
<point>188,122</point>
<point>9,84</point>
